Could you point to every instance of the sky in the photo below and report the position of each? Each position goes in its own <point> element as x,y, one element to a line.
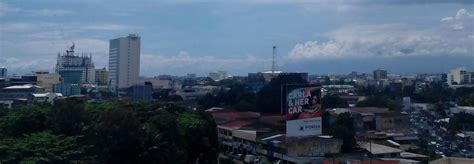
<point>188,36</point>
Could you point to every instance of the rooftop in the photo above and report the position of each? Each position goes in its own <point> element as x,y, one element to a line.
<point>26,86</point>
<point>237,124</point>
<point>375,149</point>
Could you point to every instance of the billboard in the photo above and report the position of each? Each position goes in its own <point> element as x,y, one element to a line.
<point>304,111</point>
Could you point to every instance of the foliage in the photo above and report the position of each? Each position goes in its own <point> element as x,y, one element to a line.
<point>379,101</point>
<point>112,132</point>
<point>237,95</point>
<point>461,121</point>
<point>333,101</point>
<point>439,109</point>
<point>343,129</point>
<point>269,98</point>
<point>24,119</point>
<point>42,147</point>
<point>467,100</point>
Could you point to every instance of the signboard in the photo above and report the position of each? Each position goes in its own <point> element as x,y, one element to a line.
<point>303,112</point>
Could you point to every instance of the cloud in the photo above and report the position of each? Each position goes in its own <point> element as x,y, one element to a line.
<point>50,12</point>
<point>386,40</point>
<point>106,27</point>
<point>462,19</point>
<point>5,8</point>
<point>184,63</point>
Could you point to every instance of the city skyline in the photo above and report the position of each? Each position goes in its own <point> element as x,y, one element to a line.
<point>315,37</point>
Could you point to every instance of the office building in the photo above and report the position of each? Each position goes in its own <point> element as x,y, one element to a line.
<point>101,76</point>
<point>380,74</point>
<point>75,69</point>
<point>3,72</point>
<point>459,76</point>
<point>124,61</point>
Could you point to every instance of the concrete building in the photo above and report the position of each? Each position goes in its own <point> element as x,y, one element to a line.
<point>3,72</point>
<point>75,69</point>
<point>140,92</point>
<point>67,89</point>
<point>219,75</point>
<point>47,80</point>
<point>19,92</point>
<point>460,109</point>
<point>452,160</point>
<point>101,76</point>
<point>459,76</point>
<point>380,74</point>
<point>124,61</point>
<point>46,97</point>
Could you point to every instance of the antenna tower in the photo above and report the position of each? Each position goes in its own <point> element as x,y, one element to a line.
<point>274,60</point>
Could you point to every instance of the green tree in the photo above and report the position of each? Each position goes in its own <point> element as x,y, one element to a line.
<point>269,98</point>
<point>461,121</point>
<point>439,109</point>
<point>117,136</point>
<point>200,136</point>
<point>24,119</point>
<point>68,116</point>
<point>379,101</point>
<point>333,101</point>
<point>163,140</point>
<point>42,147</point>
<point>467,100</point>
<point>343,129</point>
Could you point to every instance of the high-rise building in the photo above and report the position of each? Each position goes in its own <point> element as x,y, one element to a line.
<point>3,72</point>
<point>75,69</point>
<point>459,76</point>
<point>124,61</point>
<point>380,74</point>
<point>101,76</point>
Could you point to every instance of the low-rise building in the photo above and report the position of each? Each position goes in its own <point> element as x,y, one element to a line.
<point>67,89</point>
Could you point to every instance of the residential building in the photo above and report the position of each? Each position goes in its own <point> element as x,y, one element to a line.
<point>75,69</point>
<point>24,79</point>
<point>101,76</point>
<point>3,72</point>
<point>47,80</point>
<point>124,61</point>
<point>380,74</point>
<point>459,76</point>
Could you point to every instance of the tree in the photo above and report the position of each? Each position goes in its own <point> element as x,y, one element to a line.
<point>42,147</point>
<point>117,132</point>
<point>439,108</point>
<point>461,121</point>
<point>163,140</point>
<point>200,134</point>
<point>379,101</point>
<point>467,100</point>
<point>333,101</point>
<point>24,119</point>
<point>68,116</point>
<point>269,98</point>
<point>343,129</point>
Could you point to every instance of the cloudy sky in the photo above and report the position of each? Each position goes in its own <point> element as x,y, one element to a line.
<point>186,36</point>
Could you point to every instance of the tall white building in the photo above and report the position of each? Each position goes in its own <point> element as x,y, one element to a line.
<point>124,61</point>
<point>459,76</point>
